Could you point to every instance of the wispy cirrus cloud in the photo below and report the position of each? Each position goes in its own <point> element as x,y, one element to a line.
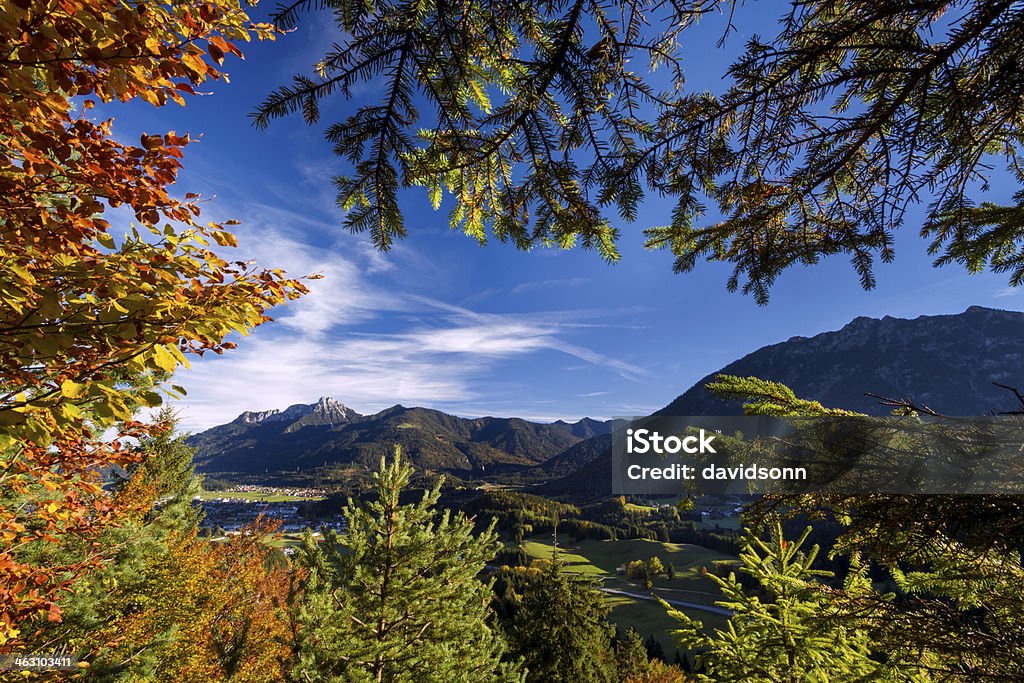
<point>548,284</point>
<point>361,338</point>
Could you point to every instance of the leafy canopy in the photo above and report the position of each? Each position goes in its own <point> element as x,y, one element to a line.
<point>539,117</point>
<point>93,319</point>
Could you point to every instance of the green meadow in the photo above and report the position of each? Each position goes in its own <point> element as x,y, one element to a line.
<point>601,560</point>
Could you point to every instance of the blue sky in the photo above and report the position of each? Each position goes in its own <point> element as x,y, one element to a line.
<point>441,322</point>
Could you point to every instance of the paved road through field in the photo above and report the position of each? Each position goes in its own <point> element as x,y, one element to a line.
<point>674,603</point>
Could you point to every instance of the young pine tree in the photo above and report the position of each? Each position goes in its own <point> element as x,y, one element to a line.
<point>631,656</point>
<point>654,649</point>
<point>396,598</point>
<point>789,639</point>
<point>562,632</point>
<point>956,560</point>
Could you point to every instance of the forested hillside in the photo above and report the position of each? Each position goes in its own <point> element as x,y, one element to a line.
<point>306,437</point>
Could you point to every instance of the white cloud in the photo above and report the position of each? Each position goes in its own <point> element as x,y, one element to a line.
<point>549,284</point>
<point>431,353</point>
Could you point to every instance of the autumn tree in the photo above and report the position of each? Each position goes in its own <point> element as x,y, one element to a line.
<point>396,597</point>
<point>636,569</point>
<point>658,671</point>
<point>209,612</point>
<point>94,316</point>
<point>155,495</point>
<point>538,118</point>
<point>169,605</point>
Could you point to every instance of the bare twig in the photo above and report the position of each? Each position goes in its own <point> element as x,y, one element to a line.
<point>904,403</point>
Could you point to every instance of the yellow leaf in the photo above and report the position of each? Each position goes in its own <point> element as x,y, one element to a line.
<point>71,389</point>
<point>71,411</point>
<point>164,359</point>
<point>225,239</point>
<point>22,273</point>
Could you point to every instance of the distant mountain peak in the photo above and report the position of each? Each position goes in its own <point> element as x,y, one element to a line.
<point>256,416</point>
<point>328,402</point>
<point>325,411</point>
<point>327,406</point>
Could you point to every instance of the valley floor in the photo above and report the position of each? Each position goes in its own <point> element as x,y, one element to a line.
<point>633,605</point>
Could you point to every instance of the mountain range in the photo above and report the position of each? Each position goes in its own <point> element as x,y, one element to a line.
<point>305,437</point>
<point>947,362</point>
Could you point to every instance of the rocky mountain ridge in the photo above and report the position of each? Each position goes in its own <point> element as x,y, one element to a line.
<point>328,433</point>
<point>947,362</point>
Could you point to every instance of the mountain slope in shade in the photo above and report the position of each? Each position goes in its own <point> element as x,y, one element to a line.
<point>573,458</point>
<point>947,362</point>
<point>305,437</point>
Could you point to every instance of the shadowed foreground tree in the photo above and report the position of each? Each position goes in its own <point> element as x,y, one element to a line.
<point>955,560</point>
<point>531,116</point>
<point>396,597</point>
<point>561,629</point>
<point>630,655</point>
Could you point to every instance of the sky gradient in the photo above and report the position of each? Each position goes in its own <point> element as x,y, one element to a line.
<point>444,323</point>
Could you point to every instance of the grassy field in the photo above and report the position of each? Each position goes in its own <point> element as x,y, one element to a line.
<point>285,540</point>
<point>604,557</point>
<point>600,559</point>
<point>646,617</point>
<point>257,496</point>
<point>642,509</point>
<point>291,539</point>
